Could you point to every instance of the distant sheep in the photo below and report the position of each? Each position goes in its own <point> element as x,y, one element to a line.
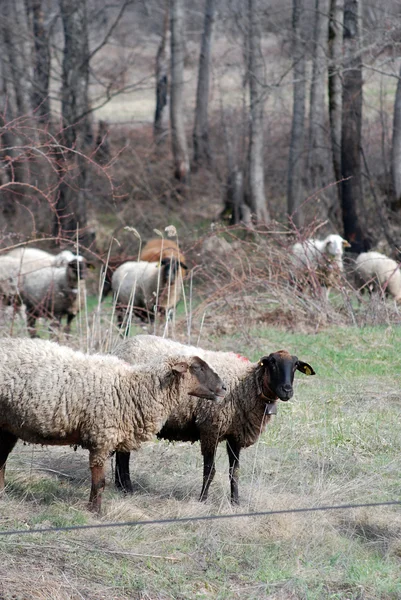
<point>53,292</point>
<point>253,391</point>
<point>322,257</point>
<point>377,270</point>
<point>51,394</point>
<point>146,286</point>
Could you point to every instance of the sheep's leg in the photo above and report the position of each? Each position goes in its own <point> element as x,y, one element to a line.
<point>7,443</point>
<point>122,477</point>
<point>67,328</point>
<point>209,471</point>
<point>31,324</point>
<point>98,483</point>
<point>233,451</point>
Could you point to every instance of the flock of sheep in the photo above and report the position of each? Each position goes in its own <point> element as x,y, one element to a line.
<point>51,394</point>
<point>372,271</point>
<point>53,286</point>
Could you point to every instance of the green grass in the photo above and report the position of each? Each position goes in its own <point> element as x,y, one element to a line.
<point>338,441</point>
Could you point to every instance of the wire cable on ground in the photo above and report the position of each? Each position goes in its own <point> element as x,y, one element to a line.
<point>198,518</point>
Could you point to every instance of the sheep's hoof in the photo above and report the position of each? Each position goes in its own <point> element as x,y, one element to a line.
<point>95,507</point>
<point>125,487</point>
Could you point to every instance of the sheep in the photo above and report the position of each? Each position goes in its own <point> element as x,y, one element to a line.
<point>323,257</point>
<point>146,286</point>
<point>376,269</point>
<point>158,249</point>
<point>53,292</point>
<point>155,250</point>
<point>51,394</point>
<point>253,390</point>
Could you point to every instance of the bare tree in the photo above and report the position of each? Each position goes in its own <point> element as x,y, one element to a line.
<point>351,186</point>
<point>319,154</point>
<point>162,70</point>
<point>202,151</point>
<point>77,131</point>
<point>177,104</point>
<point>396,150</point>
<point>335,83</point>
<point>41,68</point>
<point>294,181</point>
<point>13,55</point>
<point>257,83</point>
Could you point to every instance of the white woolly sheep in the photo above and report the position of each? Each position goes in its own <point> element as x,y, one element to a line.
<point>253,390</point>
<point>377,270</point>
<point>145,286</point>
<point>322,257</point>
<point>53,292</point>
<point>51,394</point>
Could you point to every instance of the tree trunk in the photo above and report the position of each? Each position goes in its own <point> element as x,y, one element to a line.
<point>17,66</point>
<point>351,186</point>
<point>295,167</point>
<point>319,155</point>
<point>162,68</point>
<point>396,150</point>
<point>41,69</point>
<point>202,153</point>
<point>257,79</point>
<point>77,131</point>
<point>335,84</point>
<point>177,105</point>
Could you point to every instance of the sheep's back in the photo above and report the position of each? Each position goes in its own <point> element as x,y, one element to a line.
<point>140,276</point>
<point>48,391</point>
<point>376,265</point>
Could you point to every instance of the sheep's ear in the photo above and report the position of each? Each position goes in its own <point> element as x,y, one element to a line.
<point>305,368</point>
<point>180,367</point>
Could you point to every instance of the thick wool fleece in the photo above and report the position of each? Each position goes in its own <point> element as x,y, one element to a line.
<point>384,270</point>
<point>143,280</point>
<point>51,394</point>
<point>242,413</point>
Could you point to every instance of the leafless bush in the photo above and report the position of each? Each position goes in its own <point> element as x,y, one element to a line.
<point>247,278</point>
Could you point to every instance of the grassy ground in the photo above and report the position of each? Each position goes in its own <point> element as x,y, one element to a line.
<point>338,441</point>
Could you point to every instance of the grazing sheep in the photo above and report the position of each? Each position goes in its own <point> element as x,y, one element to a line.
<point>377,270</point>
<point>146,286</point>
<point>253,390</point>
<point>53,292</point>
<point>155,250</point>
<point>322,257</point>
<point>51,394</point>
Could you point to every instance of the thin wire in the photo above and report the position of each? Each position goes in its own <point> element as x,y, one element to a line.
<point>199,518</point>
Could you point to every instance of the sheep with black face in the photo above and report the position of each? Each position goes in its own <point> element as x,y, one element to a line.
<point>253,391</point>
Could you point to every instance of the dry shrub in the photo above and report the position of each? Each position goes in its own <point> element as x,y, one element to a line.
<point>248,277</point>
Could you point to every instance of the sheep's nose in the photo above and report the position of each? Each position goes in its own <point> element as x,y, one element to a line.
<point>224,388</point>
<point>287,387</point>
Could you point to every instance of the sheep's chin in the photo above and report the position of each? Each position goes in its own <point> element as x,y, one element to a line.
<point>206,396</point>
